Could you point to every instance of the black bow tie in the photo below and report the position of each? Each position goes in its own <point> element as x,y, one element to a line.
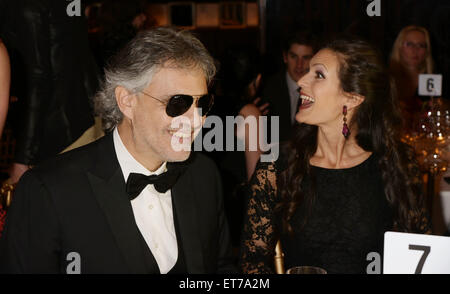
<point>163,182</point>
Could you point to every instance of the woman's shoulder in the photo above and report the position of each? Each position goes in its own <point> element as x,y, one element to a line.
<point>263,184</point>
<point>273,162</point>
<point>284,154</point>
<point>264,180</point>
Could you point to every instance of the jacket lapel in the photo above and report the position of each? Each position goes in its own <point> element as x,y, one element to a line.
<point>285,110</point>
<point>108,187</point>
<point>184,203</point>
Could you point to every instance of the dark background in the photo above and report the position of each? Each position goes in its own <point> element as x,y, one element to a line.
<point>329,17</point>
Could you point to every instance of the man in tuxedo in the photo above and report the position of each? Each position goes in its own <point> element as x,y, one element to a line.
<point>281,89</point>
<point>130,202</point>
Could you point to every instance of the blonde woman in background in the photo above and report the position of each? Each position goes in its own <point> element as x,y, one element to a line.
<point>5,77</point>
<point>410,56</point>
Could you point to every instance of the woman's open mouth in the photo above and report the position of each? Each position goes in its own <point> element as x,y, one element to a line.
<point>307,101</point>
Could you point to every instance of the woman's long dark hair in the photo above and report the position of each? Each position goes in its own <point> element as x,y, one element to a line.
<point>376,122</point>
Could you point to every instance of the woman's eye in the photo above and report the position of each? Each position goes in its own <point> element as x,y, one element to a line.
<point>319,75</point>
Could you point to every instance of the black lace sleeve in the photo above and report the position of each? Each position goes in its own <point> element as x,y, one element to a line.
<point>258,237</point>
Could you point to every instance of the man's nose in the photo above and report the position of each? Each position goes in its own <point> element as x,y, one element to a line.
<point>195,115</point>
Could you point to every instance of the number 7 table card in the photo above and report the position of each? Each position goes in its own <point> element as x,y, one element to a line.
<point>406,253</point>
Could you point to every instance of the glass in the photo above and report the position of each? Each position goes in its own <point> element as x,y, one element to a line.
<point>412,45</point>
<point>430,137</point>
<point>180,103</point>
<point>306,270</point>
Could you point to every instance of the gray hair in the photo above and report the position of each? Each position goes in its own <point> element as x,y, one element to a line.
<point>134,65</point>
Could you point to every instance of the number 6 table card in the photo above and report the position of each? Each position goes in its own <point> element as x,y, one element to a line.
<point>430,85</point>
<point>416,254</point>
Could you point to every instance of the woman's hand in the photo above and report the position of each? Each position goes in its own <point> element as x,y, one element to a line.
<point>264,109</point>
<point>16,171</point>
<point>252,90</point>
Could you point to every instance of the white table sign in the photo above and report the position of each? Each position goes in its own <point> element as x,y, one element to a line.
<point>416,254</point>
<point>430,85</point>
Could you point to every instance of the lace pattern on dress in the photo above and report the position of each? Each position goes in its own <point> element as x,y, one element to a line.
<point>260,234</point>
<point>258,237</point>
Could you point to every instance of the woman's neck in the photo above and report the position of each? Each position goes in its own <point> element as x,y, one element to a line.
<point>413,71</point>
<point>335,151</point>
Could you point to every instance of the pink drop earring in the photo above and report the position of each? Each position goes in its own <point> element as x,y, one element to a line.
<point>345,129</point>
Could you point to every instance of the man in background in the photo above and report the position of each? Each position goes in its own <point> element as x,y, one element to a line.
<point>281,90</point>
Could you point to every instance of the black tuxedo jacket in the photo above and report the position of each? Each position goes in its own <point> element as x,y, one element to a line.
<point>77,203</point>
<point>276,92</point>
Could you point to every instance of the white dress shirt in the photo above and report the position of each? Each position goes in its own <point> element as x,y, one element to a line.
<point>152,210</point>
<point>294,95</point>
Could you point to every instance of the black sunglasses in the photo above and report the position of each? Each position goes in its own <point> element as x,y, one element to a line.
<point>180,103</point>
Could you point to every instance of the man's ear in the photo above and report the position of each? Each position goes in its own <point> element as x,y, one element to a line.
<point>125,101</point>
<point>353,100</point>
<point>285,58</point>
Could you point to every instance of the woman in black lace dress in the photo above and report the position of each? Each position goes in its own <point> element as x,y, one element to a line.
<point>344,179</point>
